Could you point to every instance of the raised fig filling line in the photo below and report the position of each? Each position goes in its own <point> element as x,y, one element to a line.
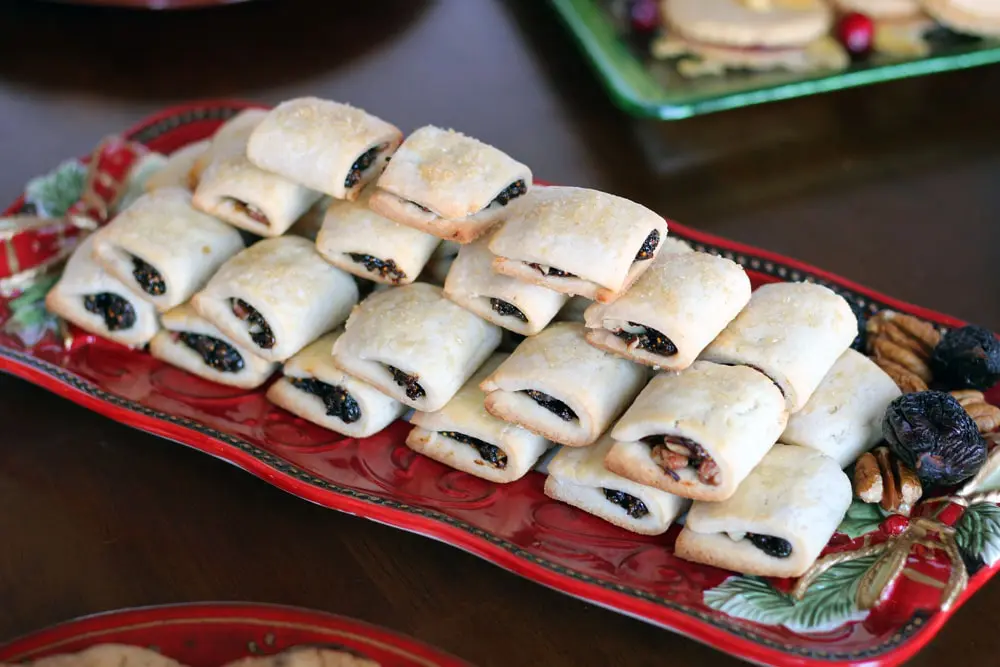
<point>362,164</point>
<point>338,401</point>
<point>118,313</point>
<point>762,373</point>
<point>386,268</point>
<point>149,279</point>
<point>410,382</point>
<point>512,191</point>
<point>673,453</point>
<point>249,210</point>
<point>634,507</point>
<point>504,309</point>
<point>646,338</point>
<point>553,405</point>
<point>490,453</point>
<point>260,330</point>
<point>649,247</point>
<point>216,353</point>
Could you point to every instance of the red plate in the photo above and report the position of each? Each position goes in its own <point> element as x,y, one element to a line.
<point>514,526</point>
<point>210,634</point>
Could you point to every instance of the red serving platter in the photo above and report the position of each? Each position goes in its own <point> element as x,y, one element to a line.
<point>211,634</point>
<point>514,526</point>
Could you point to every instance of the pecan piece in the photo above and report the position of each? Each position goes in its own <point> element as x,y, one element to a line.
<point>907,382</point>
<point>902,345</point>
<point>986,416</point>
<point>881,477</point>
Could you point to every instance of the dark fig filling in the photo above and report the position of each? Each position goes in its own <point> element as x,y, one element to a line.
<point>250,211</point>
<point>632,505</point>
<point>338,401</point>
<point>362,164</point>
<point>413,388</point>
<point>149,278</point>
<point>260,331</point>
<point>512,191</point>
<point>553,405</point>
<point>551,271</point>
<point>673,453</point>
<point>422,208</point>
<point>490,453</point>
<point>501,307</point>
<point>386,268</point>
<point>772,546</point>
<point>118,313</point>
<point>218,354</point>
<point>649,246</point>
<point>648,339</point>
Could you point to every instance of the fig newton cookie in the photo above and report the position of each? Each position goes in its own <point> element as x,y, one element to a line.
<point>719,35</point>
<point>975,17</point>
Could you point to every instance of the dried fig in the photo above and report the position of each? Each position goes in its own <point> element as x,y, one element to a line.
<point>932,433</point>
<point>968,357</point>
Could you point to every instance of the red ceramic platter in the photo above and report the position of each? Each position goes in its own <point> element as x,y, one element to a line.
<point>514,526</point>
<point>212,634</point>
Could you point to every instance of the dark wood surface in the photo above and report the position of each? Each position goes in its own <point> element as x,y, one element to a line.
<point>895,186</point>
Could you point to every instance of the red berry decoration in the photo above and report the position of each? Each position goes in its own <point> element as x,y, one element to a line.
<point>894,525</point>
<point>644,15</point>
<point>857,33</point>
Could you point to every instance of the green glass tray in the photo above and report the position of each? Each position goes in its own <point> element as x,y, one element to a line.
<point>649,88</point>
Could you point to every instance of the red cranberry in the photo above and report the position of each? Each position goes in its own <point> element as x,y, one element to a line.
<point>857,33</point>
<point>645,15</point>
<point>895,525</point>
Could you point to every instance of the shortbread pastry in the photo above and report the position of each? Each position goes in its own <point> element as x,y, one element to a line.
<point>521,307</point>
<point>176,171</point>
<point>326,146</point>
<point>577,476</point>
<point>673,311</point>
<point>777,522</point>
<point>448,184</point>
<point>698,433</point>
<point>791,332</point>
<point>195,345</point>
<point>94,300</point>
<point>314,388</point>
<point>164,249</point>
<point>230,139</point>
<point>106,655</point>
<point>464,436</point>
<point>307,656</point>
<point>362,242</point>
<point>415,345</point>
<point>974,17</point>
<point>277,296</point>
<point>843,419</point>
<point>578,241</point>
<point>557,385</point>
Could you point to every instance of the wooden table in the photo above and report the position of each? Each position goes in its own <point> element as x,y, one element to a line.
<point>895,186</point>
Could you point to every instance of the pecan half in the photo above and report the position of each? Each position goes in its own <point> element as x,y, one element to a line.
<point>902,345</point>
<point>881,477</point>
<point>986,416</point>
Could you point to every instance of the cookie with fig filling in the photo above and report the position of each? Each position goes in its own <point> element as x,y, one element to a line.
<point>176,171</point>
<point>464,436</point>
<point>720,35</point>
<point>230,139</point>
<point>791,332</point>
<point>190,342</point>
<point>673,311</point>
<point>557,385</point>
<point>413,344</point>
<point>777,522</point>
<point>445,183</point>
<point>577,241</point>
<point>96,301</point>
<point>577,476</point>
<point>362,242</point>
<point>308,656</point>
<point>163,248</point>
<point>699,432</point>
<point>107,655</point>
<point>518,306</point>
<point>277,296</point>
<point>314,388</point>
<point>325,146</point>
<point>972,17</point>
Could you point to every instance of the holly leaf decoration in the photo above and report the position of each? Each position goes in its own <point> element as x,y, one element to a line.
<point>829,602</point>
<point>52,194</point>
<point>978,532</point>
<point>29,320</point>
<point>861,519</point>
